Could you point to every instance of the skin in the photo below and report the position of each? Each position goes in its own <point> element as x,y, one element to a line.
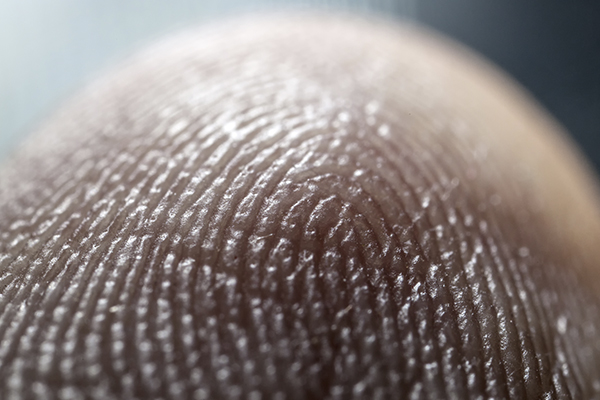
<point>300,207</point>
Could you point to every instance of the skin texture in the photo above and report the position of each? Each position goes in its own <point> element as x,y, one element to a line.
<point>300,207</point>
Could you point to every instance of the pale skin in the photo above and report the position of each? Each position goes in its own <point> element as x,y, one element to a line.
<point>300,207</point>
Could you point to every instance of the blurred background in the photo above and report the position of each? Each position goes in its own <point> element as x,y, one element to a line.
<point>49,48</point>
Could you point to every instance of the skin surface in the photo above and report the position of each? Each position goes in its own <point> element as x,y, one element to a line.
<point>300,207</point>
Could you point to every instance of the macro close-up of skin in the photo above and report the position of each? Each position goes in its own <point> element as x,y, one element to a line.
<point>300,207</point>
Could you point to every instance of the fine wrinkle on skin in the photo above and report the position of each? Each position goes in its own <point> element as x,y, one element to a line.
<point>298,208</point>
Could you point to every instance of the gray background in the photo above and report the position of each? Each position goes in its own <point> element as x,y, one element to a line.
<point>49,48</point>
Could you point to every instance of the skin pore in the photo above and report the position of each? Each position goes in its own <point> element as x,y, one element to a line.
<point>299,207</point>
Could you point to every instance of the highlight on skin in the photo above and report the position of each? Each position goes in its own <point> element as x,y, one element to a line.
<point>299,207</point>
